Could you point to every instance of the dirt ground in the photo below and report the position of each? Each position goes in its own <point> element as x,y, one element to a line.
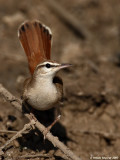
<point>90,123</point>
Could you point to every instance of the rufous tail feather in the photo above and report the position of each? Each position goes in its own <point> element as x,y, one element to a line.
<point>36,41</point>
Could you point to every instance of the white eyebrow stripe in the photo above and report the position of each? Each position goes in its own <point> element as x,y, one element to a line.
<point>49,63</point>
<point>44,63</point>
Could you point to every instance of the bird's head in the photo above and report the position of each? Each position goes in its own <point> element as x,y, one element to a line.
<point>49,68</point>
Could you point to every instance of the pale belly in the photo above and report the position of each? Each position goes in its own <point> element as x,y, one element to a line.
<point>42,100</point>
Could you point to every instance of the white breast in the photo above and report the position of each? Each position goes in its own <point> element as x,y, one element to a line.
<point>43,96</point>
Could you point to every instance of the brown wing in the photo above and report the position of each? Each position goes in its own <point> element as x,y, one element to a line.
<point>59,85</point>
<point>36,41</point>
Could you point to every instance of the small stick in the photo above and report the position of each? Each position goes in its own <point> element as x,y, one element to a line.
<point>17,103</point>
<point>19,134</point>
<point>10,132</point>
<point>35,156</point>
<point>5,131</point>
<point>48,128</point>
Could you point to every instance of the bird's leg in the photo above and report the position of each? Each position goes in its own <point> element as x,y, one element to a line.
<point>57,118</point>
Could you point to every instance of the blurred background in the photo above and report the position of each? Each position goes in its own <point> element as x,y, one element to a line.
<point>86,33</point>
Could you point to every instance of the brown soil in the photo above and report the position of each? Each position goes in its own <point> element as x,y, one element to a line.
<point>90,123</point>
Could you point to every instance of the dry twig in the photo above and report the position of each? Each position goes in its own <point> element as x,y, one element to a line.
<point>17,103</point>
<point>18,134</point>
<point>10,132</point>
<point>35,156</point>
<point>6,131</point>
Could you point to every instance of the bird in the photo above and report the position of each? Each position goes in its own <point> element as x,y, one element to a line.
<point>44,89</point>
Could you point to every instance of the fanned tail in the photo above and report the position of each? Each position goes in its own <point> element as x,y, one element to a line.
<point>36,41</point>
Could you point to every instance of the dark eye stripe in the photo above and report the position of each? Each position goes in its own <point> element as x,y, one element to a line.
<point>51,65</point>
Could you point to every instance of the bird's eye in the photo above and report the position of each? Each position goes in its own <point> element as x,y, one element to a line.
<point>48,65</point>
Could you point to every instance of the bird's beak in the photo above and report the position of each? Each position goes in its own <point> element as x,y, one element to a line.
<point>61,66</point>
